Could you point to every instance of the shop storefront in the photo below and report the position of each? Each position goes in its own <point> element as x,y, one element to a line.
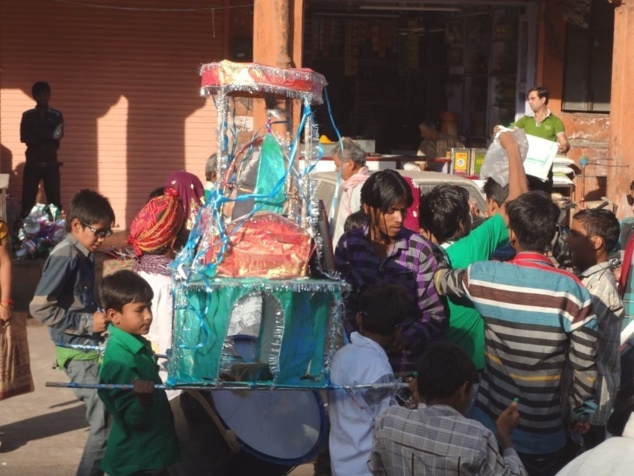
<point>464,65</point>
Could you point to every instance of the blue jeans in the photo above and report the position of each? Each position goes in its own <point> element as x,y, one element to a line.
<point>87,371</point>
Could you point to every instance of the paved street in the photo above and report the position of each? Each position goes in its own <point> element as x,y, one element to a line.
<point>45,431</point>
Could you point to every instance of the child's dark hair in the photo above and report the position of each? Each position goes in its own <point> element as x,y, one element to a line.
<point>494,191</point>
<point>600,222</point>
<point>383,307</point>
<point>443,210</point>
<point>157,192</point>
<point>40,87</point>
<point>442,370</point>
<point>533,218</point>
<point>123,287</point>
<point>89,207</point>
<point>355,220</point>
<point>384,189</point>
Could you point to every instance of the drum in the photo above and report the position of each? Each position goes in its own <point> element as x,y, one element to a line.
<point>277,429</point>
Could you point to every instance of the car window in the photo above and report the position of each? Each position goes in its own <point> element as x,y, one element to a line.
<point>326,188</point>
<point>474,194</point>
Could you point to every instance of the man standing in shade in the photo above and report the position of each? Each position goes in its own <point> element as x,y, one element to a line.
<point>41,130</point>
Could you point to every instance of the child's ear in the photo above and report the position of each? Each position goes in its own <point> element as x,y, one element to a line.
<point>359,320</point>
<point>112,316</point>
<point>464,395</point>
<point>597,242</point>
<point>75,225</point>
<point>512,237</point>
<point>465,390</point>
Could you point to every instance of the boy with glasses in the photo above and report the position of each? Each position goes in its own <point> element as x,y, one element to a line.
<point>64,301</point>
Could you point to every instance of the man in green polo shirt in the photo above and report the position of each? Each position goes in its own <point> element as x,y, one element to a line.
<point>544,124</point>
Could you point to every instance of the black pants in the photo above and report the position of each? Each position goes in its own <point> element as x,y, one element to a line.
<point>594,437</point>
<point>48,172</point>
<point>544,464</point>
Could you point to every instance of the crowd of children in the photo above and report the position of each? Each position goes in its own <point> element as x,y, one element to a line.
<point>530,352</point>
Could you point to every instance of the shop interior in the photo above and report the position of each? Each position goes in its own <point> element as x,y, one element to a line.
<point>391,65</point>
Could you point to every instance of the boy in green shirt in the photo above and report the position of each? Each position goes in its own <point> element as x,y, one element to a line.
<point>445,219</point>
<point>142,440</point>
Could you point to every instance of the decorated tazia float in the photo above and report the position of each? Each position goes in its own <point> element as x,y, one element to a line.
<point>247,310</point>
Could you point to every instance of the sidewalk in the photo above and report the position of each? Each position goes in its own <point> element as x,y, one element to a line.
<point>45,431</point>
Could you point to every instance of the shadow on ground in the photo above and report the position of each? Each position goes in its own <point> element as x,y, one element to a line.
<point>43,426</point>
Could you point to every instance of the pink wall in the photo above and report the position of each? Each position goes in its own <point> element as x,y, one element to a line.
<point>127,83</point>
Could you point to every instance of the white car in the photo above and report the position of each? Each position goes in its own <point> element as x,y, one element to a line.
<point>326,182</point>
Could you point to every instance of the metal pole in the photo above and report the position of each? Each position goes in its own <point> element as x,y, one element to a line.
<point>128,386</point>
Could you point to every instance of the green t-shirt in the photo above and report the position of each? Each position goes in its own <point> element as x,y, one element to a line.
<point>466,327</point>
<point>547,129</point>
<point>142,438</point>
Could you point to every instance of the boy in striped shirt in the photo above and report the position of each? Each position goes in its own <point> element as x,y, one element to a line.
<point>538,320</point>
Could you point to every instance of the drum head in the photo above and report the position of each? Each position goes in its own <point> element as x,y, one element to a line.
<point>284,427</point>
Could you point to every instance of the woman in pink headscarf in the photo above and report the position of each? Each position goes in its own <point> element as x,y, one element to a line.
<point>191,191</point>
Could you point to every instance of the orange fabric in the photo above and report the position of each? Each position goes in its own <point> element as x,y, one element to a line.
<point>4,230</point>
<point>158,222</point>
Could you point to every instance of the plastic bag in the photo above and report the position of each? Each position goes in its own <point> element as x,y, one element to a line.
<point>496,162</point>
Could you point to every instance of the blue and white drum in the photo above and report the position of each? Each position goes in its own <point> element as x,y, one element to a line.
<point>286,428</point>
<point>278,429</point>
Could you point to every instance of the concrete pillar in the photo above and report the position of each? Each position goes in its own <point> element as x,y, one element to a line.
<point>621,144</point>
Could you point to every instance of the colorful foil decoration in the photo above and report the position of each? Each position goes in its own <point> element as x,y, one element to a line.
<point>242,274</point>
<point>291,326</point>
<point>40,231</point>
<point>255,79</point>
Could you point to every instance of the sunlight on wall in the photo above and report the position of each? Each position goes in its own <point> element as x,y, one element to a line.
<point>14,103</point>
<point>112,154</point>
<point>200,138</point>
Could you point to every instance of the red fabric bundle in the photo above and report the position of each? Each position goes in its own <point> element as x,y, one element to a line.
<point>266,246</point>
